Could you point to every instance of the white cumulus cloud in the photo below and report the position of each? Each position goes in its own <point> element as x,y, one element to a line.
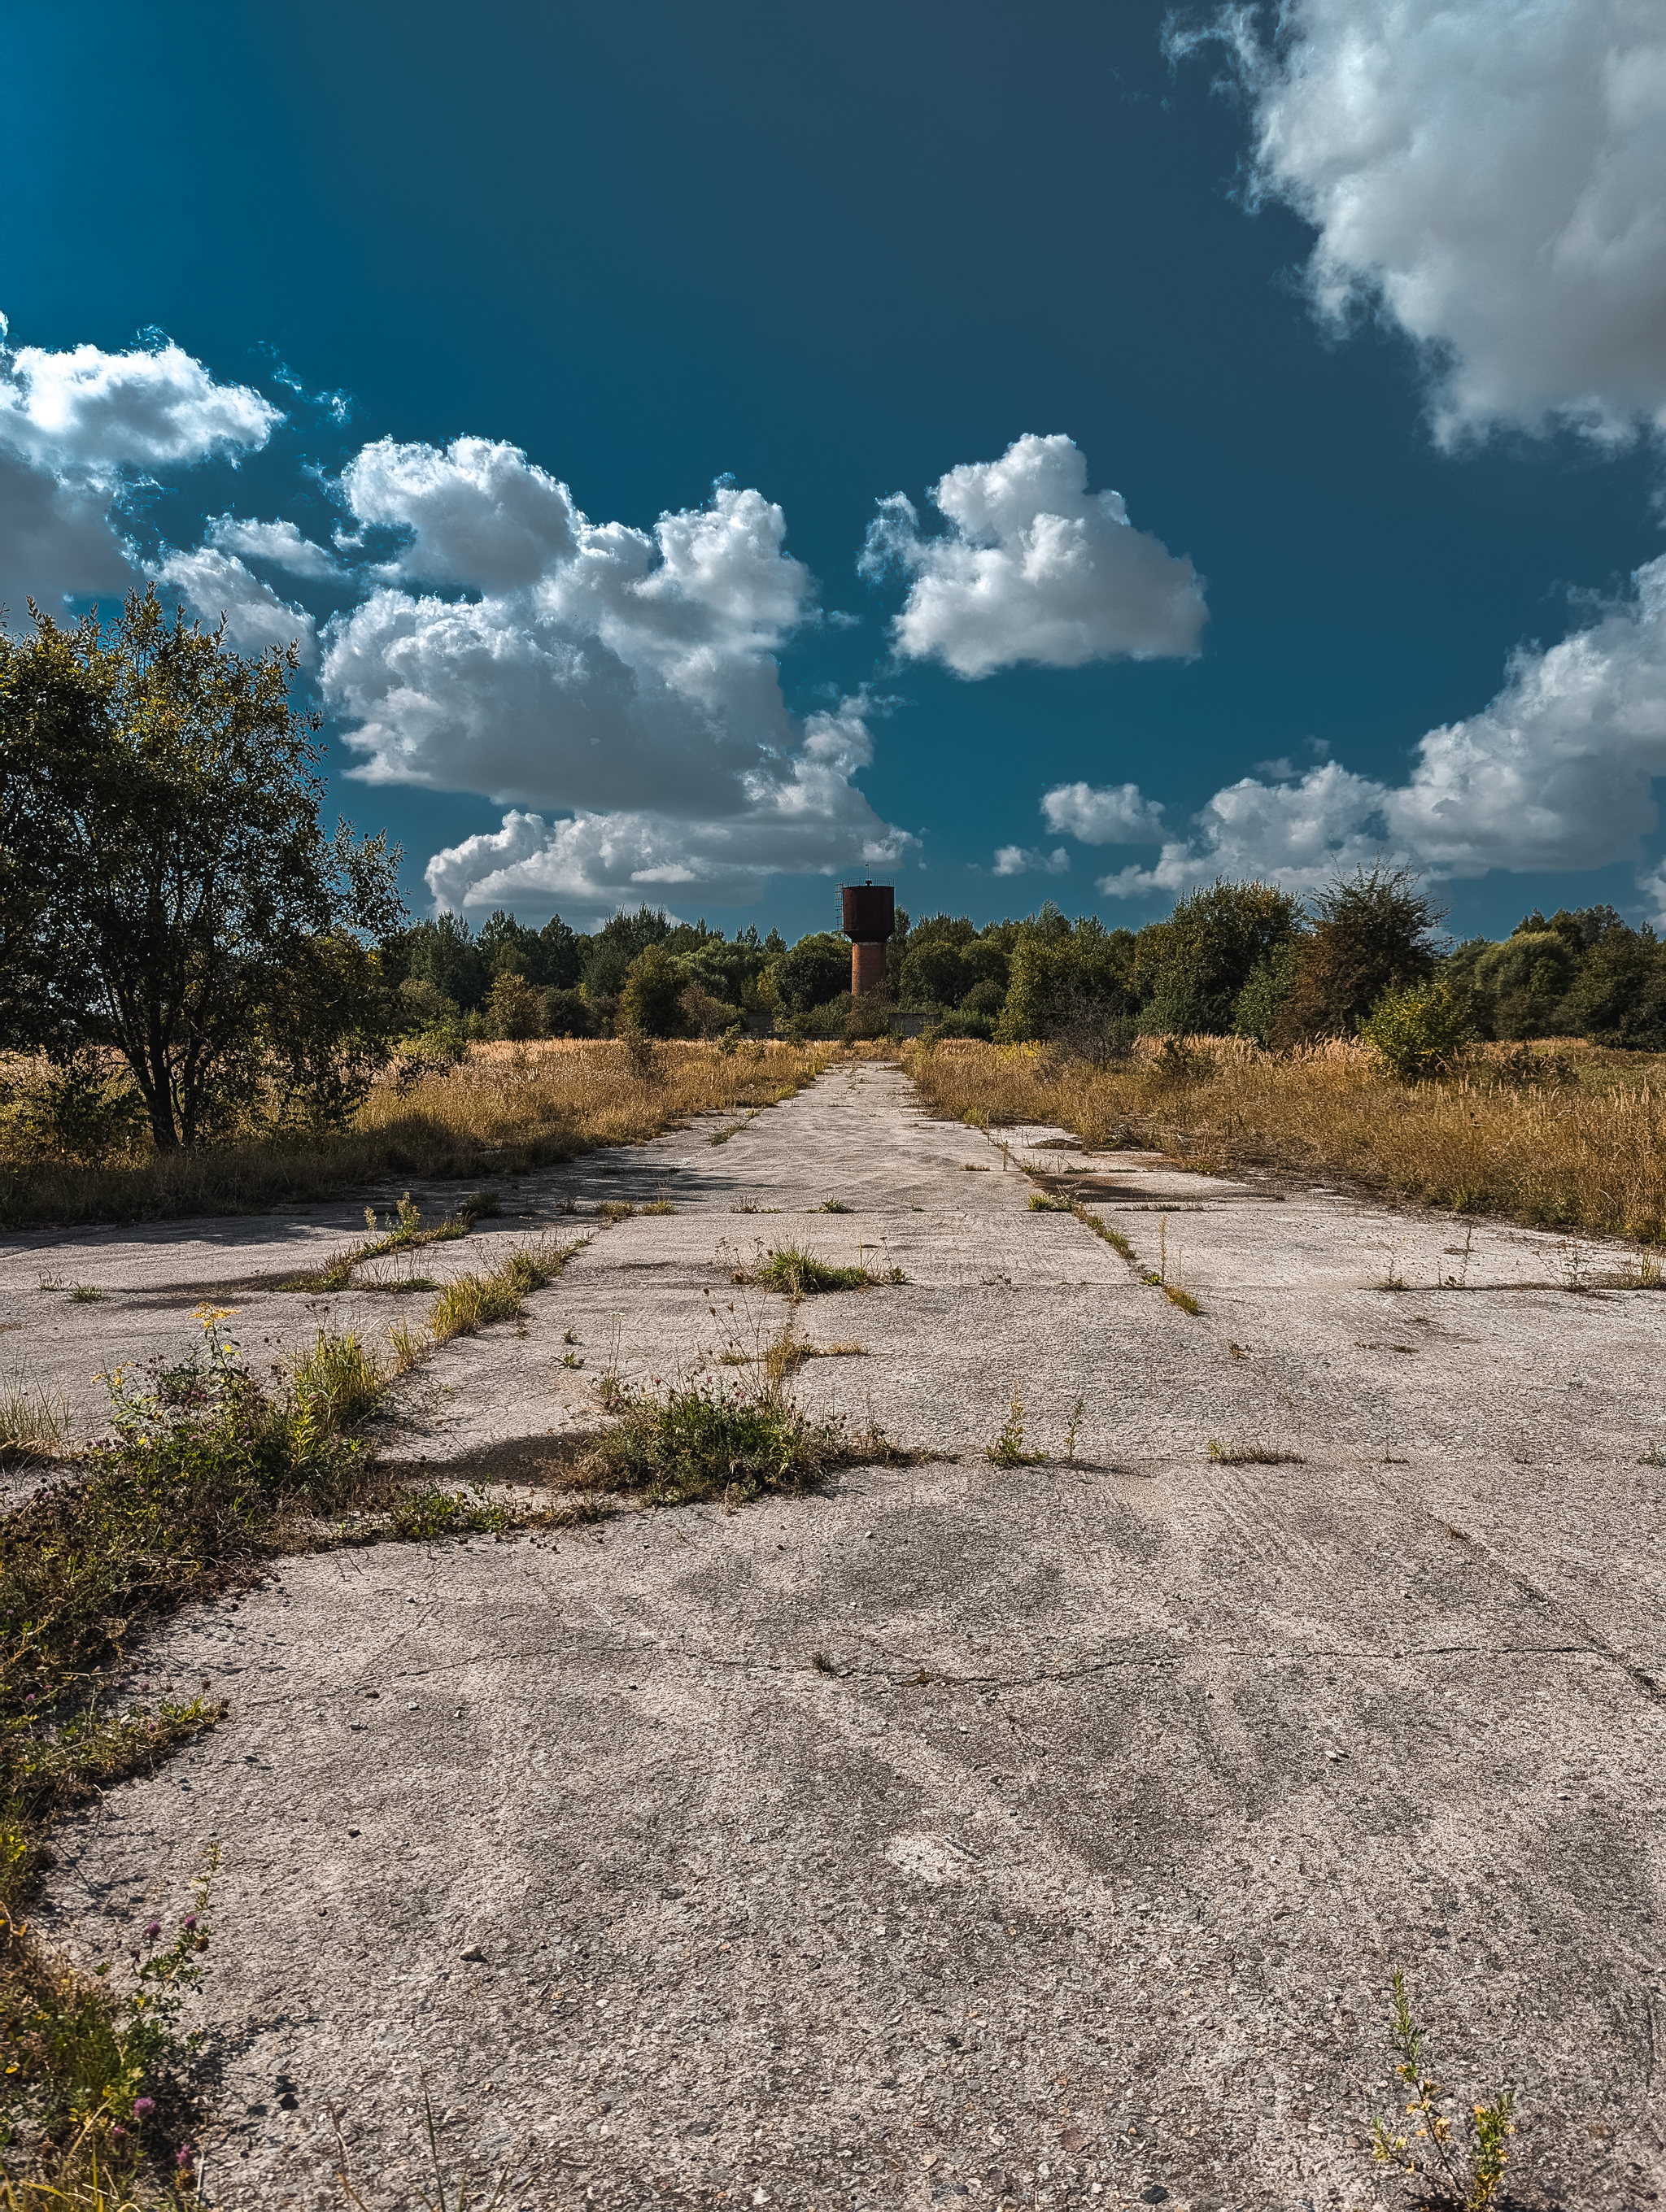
<point>625,679</point>
<point>1025,860</point>
<point>1033,566</point>
<point>76,428</point>
<point>213,584</point>
<point>280,542</point>
<point>1105,814</point>
<point>1489,175</point>
<point>1555,772</point>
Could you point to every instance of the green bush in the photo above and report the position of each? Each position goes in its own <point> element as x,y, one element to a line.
<point>1416,1032</point>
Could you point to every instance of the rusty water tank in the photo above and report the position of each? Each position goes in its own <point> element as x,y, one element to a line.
<point>867,915</point>
<point>867,912</point>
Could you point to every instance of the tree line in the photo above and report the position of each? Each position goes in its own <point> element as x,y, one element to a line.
<point>197,956</point>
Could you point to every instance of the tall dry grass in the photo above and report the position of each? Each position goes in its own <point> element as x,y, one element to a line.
<point>1583,1146</point>
<point>507,1109</point>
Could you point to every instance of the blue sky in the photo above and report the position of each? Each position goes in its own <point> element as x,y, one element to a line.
<point>1370,329</point>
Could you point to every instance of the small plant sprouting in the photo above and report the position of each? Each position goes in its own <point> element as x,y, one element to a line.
<point>1070,1433</point>
<point>1040,1202</point>
<point>833,1205</point>
<point>1460,1281</point>
<point>1008,1449</point>
<point>85,1294</point>
<point>1471,2173</point>
<point>659,1206</point>
<point>822,1664</point>
<point>1227,1453</point>
<point>572,1359</point>
<point>1182,1299</point>
<point>569,1336</point>
<point>615,1209</point>
<point>1575,1258</point>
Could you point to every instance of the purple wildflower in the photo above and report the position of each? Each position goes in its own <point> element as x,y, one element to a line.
<point>190,1920</point>
<point>144,2107</point>
<point>153,1928</point>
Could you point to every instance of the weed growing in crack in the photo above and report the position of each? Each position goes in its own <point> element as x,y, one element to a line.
<point>1070,1433</point>
<point>722,1136</point>
<point>1113,1238</point>
<point>467,2198</point>
<point>614,1209</point>
<point>1008,1449</point>
<point>1244,1454</point>
<point>85,1294</point>
<point>1469,2173</point>
<point>707,1440</point>
<point>474,1302</point>
<point>1041,1202</point>
<point>833,1205</point>
<point>799,1274</point>
<point>401,1231</point>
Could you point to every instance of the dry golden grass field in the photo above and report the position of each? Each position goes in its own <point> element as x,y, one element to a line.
<point>507,1109</point>
<point>1565,1135</point>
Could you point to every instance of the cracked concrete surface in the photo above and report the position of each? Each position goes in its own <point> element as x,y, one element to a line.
<point>1074,1870</point>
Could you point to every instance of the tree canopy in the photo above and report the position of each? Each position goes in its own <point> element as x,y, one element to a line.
<point>166,889</point>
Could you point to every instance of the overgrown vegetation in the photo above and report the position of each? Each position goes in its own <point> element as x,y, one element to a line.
<point>1576,1141</point>
<point>205,1477</point>
<point>706,1439</point>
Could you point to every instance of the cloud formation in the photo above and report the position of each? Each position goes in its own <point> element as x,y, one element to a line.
<point>1555,772</point>
<point>1033,566</point>
<point>1488,176</point>
<point>1113,814</point>
<point>280,542</point>
<point>1025,860</point>
<point>77,428</point>
<point>213,584</point>
<point>624,678</point>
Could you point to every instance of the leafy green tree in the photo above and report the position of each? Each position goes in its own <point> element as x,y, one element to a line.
<point>329,1027</point>
<point>164,877</point>
<point>513,1008</point>
<point>1523,982</point>
<point>1260,1004</point>
<point>1372,934</point>
<point>651,996</point>
<point>441,952</point>
<point>615,945</point>
<point>1206,952</point>
<point>815,971</point>
<point>1072,985</point>
<point>1618,995</point>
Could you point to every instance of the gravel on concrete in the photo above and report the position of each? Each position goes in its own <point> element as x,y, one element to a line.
<point>958,1834</point>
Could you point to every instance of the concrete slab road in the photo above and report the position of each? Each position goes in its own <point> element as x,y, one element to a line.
<point>965,1833</point>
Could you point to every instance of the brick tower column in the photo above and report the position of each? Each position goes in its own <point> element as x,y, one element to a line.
<point>867,968</point>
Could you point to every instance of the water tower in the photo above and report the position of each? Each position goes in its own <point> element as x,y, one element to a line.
<point>867,915</point>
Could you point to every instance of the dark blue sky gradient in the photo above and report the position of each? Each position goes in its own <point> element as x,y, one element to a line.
<point>831,253</point>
